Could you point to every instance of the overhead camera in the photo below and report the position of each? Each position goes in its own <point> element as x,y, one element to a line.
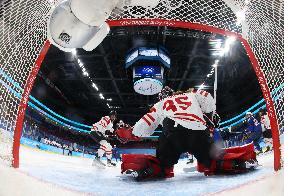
<point>148,65</point>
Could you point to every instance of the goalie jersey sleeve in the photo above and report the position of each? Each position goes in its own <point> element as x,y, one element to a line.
<point>149,122</point>
<point>103,125</point>
<point>206,101</point>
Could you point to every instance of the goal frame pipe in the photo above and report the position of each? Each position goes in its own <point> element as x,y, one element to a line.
<point>255,64</point>
<point>24,102</point>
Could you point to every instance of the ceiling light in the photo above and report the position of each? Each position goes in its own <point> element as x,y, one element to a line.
<point>95,86</point>
<point>215,65</point>
<point>110,99</point>
<point>230,40</point>
<point>101,96</point>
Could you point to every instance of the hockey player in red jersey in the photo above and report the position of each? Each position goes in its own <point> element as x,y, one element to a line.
<point>99,133</point>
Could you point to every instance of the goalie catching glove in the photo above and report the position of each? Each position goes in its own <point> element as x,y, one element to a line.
<point>124,134</point>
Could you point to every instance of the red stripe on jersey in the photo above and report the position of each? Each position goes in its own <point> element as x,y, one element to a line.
<point>107,120</point>
<point>151,117</point>
<point>203,93</point>
<point>206,94</point>
<point>153,110</point>
<point>191,115</point>
<point>184,118</point>
<point>189,119</point>
<point>102,146</point>
<point>146,120</point>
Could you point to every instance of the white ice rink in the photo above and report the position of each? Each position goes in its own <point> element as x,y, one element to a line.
<point>74,173</point>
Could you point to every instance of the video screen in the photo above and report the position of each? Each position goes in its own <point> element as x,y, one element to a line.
<point>147,70</point>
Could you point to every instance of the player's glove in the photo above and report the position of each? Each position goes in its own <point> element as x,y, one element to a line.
<point>125,134</point>
<point>216,120</point>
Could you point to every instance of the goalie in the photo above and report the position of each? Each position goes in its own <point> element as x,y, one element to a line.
<point>184,130</point>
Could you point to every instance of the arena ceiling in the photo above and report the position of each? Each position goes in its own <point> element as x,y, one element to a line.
<point>62,87</point>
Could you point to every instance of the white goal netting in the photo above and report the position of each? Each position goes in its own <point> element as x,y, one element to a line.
<point>23,32</point>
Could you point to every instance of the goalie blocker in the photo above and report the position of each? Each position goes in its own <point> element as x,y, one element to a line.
<point>125,134</point>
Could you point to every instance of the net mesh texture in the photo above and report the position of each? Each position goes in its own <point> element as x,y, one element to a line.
<point>23,32</point>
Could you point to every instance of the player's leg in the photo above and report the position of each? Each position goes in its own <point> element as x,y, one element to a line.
<point>169,149</point>
<point>98,155</point>
<point>255,137</point>
<point>108,150</point>
<point>203,148</point>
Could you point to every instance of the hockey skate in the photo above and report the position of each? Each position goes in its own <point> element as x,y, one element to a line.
<point>110,164</point>
<point>98,163</point>
<point>138,175</point>
<point>189,161</point>
<point>251,164</point>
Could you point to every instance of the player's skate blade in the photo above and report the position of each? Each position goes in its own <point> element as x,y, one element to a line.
<point>252,164</point>
<point>98,163</point>
<point>131,173</point>
<point>110,164</point>
<point>139,175</point>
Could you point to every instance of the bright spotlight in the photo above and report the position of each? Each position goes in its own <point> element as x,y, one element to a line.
<point>101,96</point>
<point>85,73</point>
<point>95,86</point>
<point>230,40</point>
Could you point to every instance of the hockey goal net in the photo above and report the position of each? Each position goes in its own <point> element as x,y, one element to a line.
<point>23,32</point>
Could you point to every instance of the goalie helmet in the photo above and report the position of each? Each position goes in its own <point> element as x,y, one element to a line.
<point>165,92</point>
<point>249,114</point>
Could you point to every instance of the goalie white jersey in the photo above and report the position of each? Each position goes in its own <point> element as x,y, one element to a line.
<point>185,109</point>
<point>104,124</point>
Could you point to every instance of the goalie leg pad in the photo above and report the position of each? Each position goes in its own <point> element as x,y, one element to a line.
<point>234,161</point>
<point>139,162</point>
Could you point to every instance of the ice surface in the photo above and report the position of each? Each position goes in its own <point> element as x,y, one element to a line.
<point>77,174</point>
